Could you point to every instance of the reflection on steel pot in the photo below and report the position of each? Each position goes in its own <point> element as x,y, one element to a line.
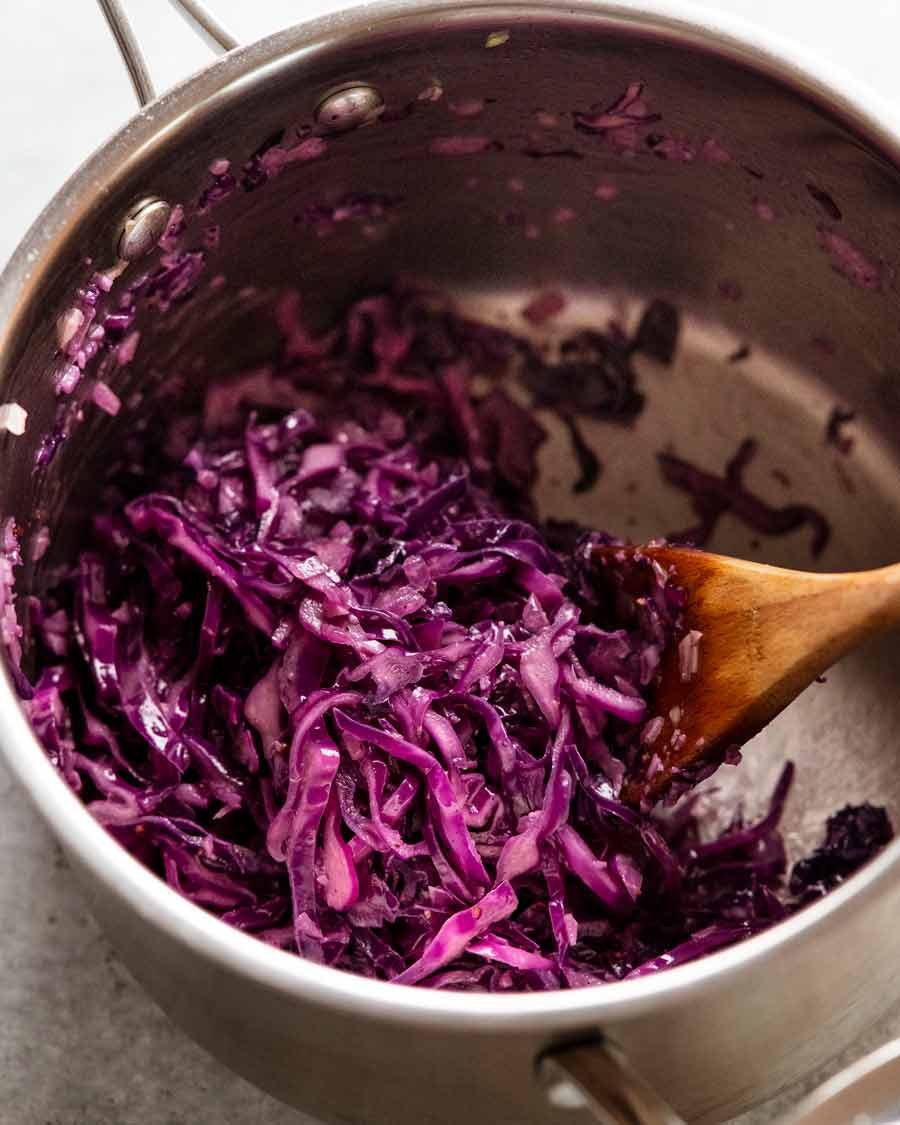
<point>866,1093</point>
<point>516,146</point>
<point>595,1075</point>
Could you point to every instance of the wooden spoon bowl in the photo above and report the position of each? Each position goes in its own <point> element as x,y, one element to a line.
<point>754,637</point>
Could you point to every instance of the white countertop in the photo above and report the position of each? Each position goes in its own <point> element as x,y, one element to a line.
<point>80,1043</point>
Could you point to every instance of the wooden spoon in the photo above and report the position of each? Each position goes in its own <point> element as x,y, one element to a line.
<point>766,634</point>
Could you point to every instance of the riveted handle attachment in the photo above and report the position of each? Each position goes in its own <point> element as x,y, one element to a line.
<point>595,1075</point>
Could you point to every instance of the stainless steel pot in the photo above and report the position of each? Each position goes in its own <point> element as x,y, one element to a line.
<point>804,275</point>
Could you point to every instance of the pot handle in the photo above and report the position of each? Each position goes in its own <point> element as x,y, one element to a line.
<point>594,1074</point>
<point>194,11</point>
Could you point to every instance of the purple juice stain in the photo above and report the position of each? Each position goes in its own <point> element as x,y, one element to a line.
<point>848,260</point>
<point>463,145</point>
<point>825,202</point>
<point>713,496</point>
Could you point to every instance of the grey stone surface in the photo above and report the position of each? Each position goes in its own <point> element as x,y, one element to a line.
<point>80,1043</point>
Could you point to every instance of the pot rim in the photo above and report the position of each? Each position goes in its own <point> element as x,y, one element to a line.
<point>152,900</point>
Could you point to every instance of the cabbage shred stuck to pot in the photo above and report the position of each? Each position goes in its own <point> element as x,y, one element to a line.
<point>321,668</point>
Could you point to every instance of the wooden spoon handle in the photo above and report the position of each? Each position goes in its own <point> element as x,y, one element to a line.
<point>888,577</point>
<point>854,606</point>
<point>804,622</point>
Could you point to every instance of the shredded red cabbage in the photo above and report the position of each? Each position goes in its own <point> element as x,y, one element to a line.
<point>657,332</point>
<point>320,667</point>
<point>851,837</point>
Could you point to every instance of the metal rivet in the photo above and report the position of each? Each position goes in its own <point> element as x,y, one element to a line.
<point>349,107</point>
<point>142,228</point>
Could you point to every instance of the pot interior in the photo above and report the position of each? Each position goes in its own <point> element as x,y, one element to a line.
<point>509,161</point>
